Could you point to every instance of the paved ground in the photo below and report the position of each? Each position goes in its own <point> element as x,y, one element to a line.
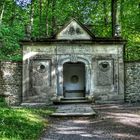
<point>114,122</point>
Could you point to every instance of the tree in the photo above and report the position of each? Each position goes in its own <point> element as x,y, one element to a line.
<point>2,11</point>
<point>42,18</point>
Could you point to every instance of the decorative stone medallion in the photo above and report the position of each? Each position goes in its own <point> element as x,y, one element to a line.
<point>41,68</point>
<point>74,79</point>
<point>104,66</point>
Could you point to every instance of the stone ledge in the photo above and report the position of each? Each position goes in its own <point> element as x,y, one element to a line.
<point>73,114</point>
<point>74,110</point>
<point>30,105</point>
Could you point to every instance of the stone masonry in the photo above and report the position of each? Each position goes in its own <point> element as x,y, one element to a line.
<point>132,81</point>
<point>11,81</point>
<point>74,64</point>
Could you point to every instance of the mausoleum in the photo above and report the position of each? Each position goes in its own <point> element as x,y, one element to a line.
<point>73,66</point>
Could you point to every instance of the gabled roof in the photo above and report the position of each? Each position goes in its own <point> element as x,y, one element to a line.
<point>74,30</point>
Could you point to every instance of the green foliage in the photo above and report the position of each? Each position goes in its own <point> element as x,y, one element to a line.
<point>22,123</point>
<point>9,37</point>
<point>2,102</point>
<point>130,19</point>
<point>48,17</point>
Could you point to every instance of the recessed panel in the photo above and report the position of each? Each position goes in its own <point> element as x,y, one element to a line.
<point>104,72</point>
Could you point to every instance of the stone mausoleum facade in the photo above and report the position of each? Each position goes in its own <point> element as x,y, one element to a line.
<point>73,65</point>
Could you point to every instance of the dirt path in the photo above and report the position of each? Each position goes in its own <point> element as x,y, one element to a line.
<point>114,122</point>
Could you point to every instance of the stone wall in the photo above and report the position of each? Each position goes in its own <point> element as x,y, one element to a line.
<point>132,81</point>
<point>11,81</point>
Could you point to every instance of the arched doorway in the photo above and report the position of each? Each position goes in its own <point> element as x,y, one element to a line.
<point>73,80</point>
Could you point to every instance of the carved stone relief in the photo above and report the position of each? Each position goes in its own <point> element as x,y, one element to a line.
<point>74,31</point>
<point>104,72</point>
<point>77,49</point>
<point>104,66</point>
<point>40,75</point>
<point>49,50</point>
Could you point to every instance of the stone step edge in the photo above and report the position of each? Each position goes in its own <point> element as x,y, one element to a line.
<point>74,101</point>
<point>74,98</point>
<point>72,114</point>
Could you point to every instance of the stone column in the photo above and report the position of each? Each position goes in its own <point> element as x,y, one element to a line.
<point>121,72</point>
<point>60,80</point>
<point>88,80</point>
<point>25,80</point>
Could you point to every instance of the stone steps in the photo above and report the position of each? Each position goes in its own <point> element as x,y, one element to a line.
<point>74,110</point>
<point>74,100</point>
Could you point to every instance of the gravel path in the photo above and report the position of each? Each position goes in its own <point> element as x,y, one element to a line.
<point>113,122</point>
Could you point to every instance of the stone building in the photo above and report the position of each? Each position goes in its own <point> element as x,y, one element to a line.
<point>73,66</point>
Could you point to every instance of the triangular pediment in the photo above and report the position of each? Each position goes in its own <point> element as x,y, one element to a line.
<point>74,30</point>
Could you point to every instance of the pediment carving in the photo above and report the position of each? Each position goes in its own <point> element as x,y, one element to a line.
<point>74,30</point>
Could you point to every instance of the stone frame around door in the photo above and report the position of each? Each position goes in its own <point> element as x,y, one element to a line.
<point>86,62</point>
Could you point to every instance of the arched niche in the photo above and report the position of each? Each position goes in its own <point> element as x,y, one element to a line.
<point>60,75</point>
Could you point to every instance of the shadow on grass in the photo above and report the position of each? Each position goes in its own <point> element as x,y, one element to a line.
<point>23,123</point>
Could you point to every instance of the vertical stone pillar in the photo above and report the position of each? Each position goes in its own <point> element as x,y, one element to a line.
<point>121,72</point>
<point>60,80</point>
<point>54,78</point>
<point>25,80</point>
<point>88,80</point>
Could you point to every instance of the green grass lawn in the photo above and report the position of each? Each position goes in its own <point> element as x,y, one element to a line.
<point>22,123</point>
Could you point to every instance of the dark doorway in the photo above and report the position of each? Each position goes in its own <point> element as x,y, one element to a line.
<point>74,80</point>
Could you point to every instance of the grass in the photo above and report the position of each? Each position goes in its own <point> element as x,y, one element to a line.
<point>22,123</point>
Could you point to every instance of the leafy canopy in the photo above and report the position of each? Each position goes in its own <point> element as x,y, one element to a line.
<point>43,18</point>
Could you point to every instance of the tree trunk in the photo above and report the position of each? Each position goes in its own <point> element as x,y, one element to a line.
<point>105,13</point>
<point>53,17</point>
<point>47,25</point>
<point>121,10</point>
<point>113,12</point>
<point>40,17</point>
<point>31,17</point>
<point>13,14</point>
<point>2,13</point>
